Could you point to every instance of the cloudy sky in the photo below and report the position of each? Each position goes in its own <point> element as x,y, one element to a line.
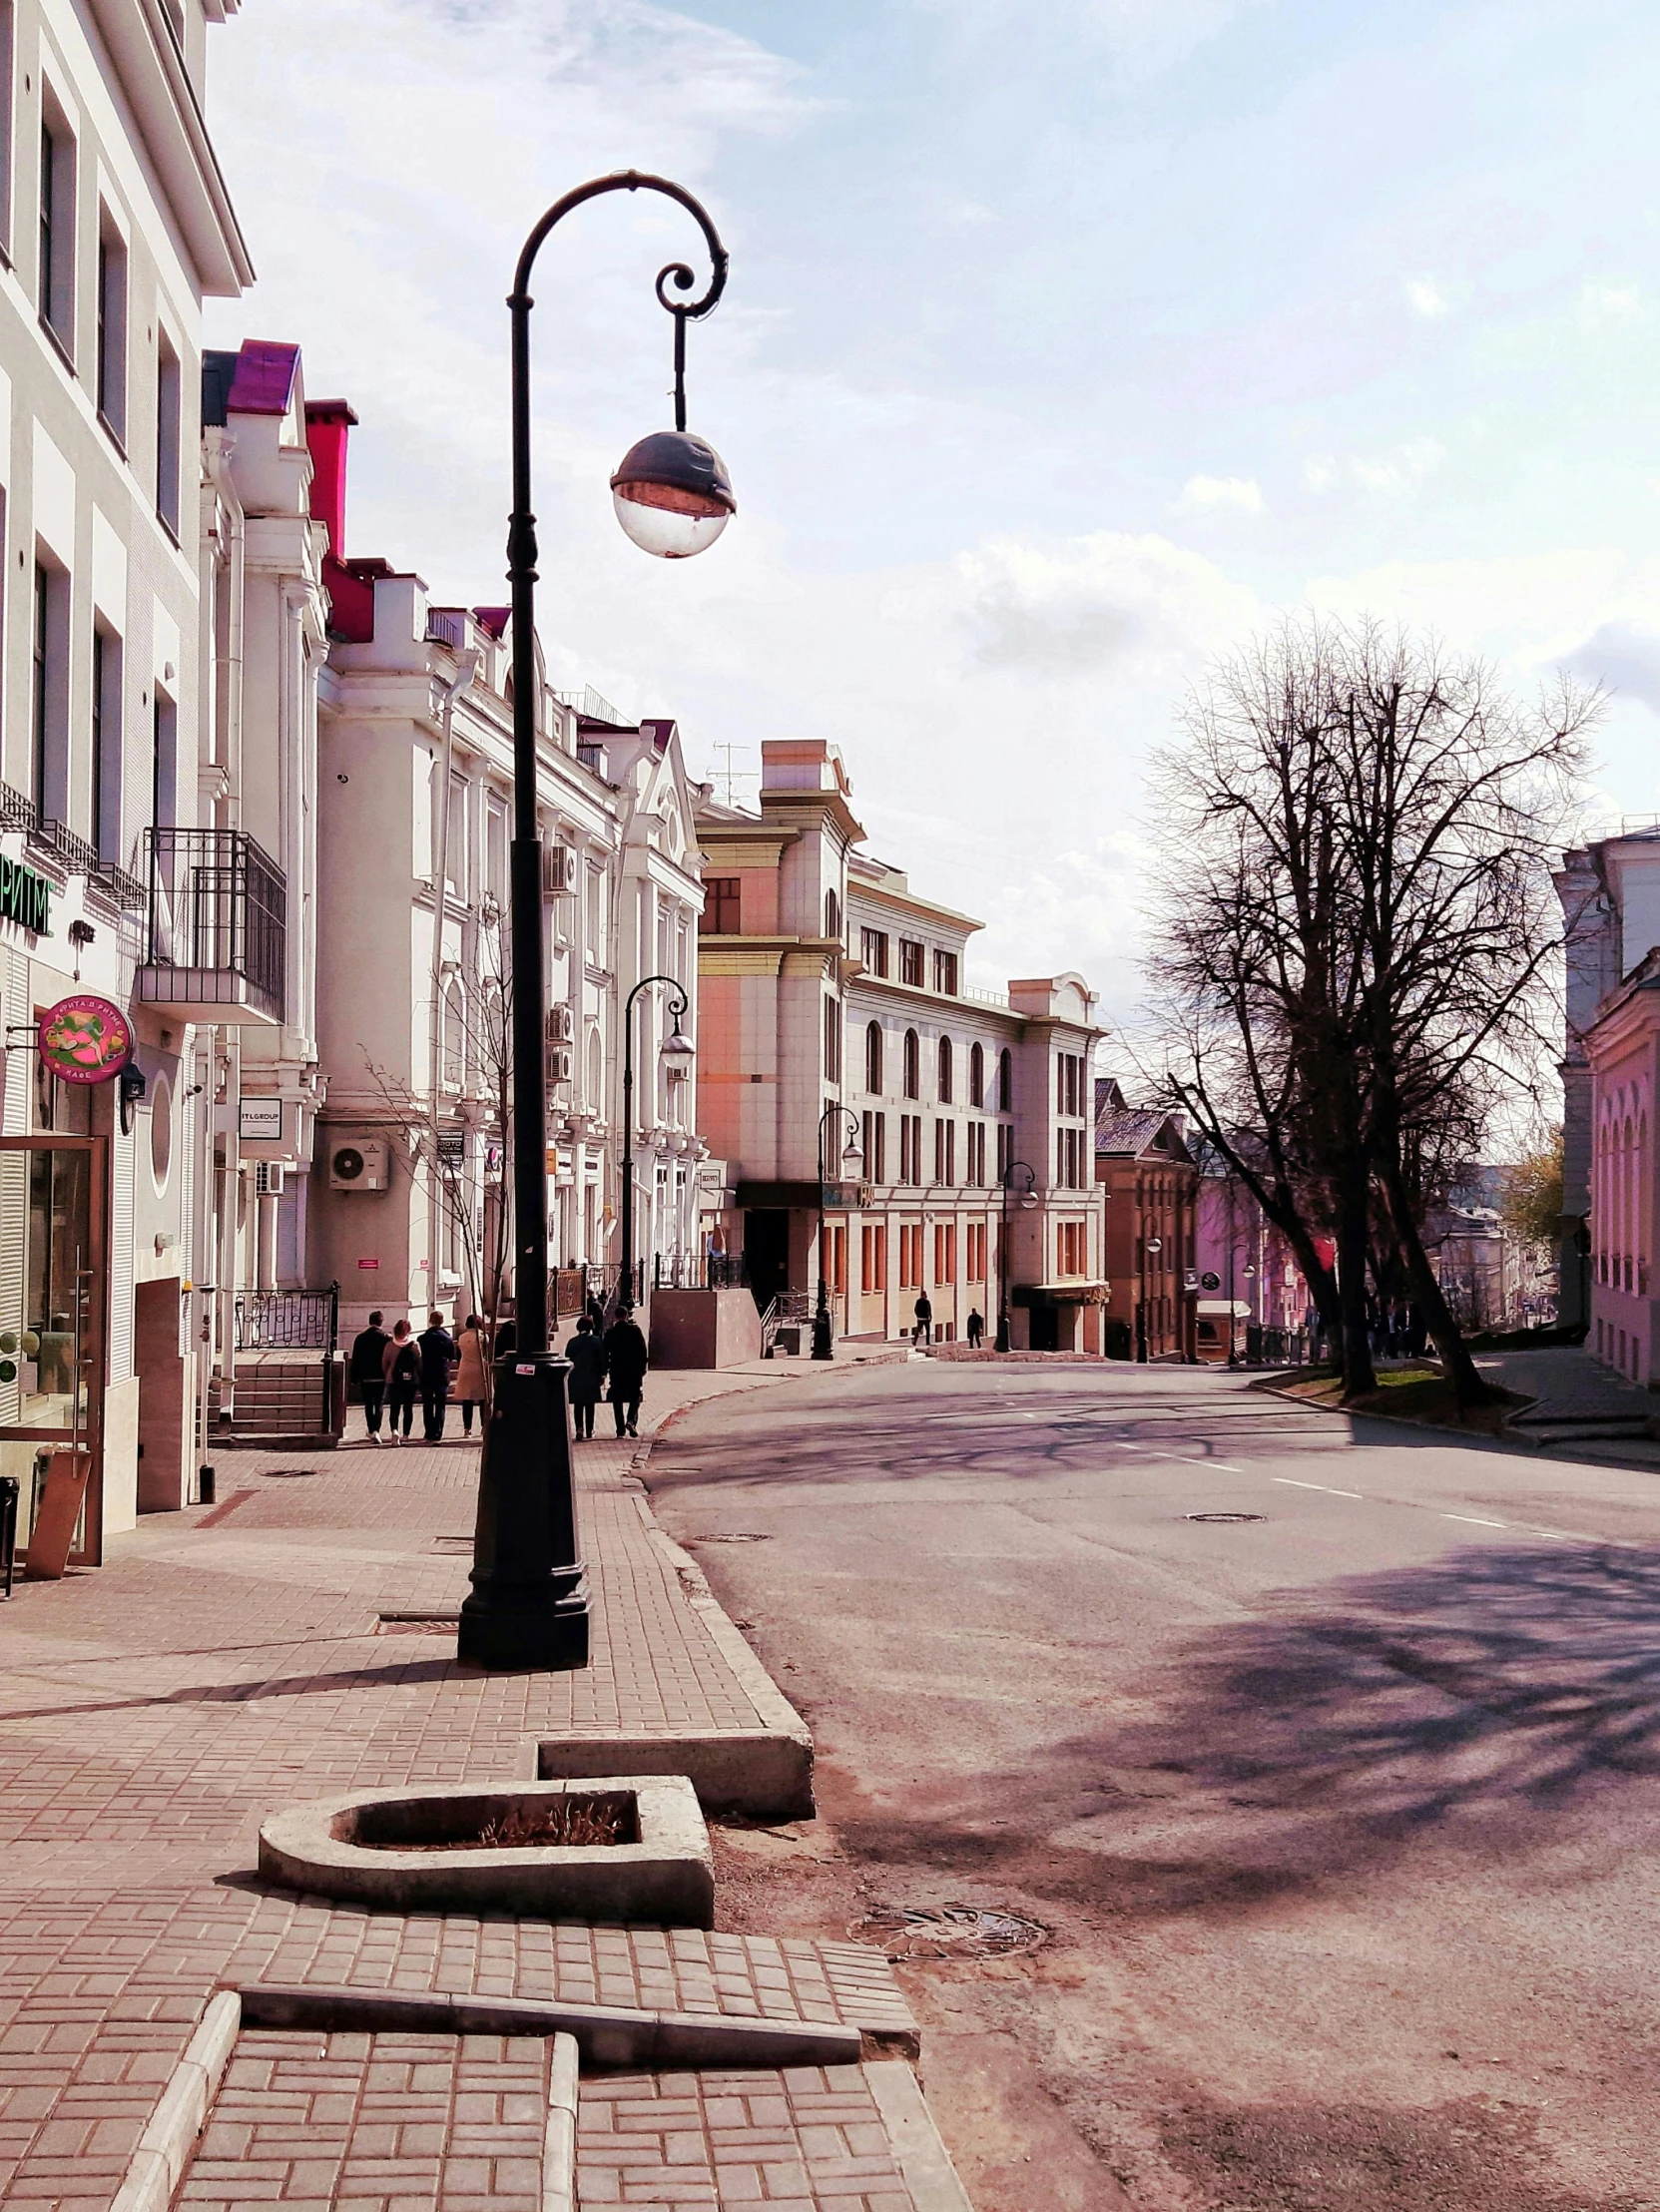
<point>1066,341</point>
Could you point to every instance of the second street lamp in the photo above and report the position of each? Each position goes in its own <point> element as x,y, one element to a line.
<point>529,1607</point>
<point>676,1049</point>
<point>824,1334</point>
<point>1029,1199</point>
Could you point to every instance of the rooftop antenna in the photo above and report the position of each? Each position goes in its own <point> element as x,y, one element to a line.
<point>728,773</point>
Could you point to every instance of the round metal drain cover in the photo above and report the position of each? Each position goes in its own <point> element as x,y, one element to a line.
<point>950,1931</point>
<point>1227,1518</point>
<point>734,1536</point>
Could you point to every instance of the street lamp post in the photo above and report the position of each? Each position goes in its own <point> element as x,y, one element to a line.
<point>822,1333</point>
<point>1029,1199</point>
<point>529,1607</point>
<point>1152,1248</point>
<point>675,1047</point>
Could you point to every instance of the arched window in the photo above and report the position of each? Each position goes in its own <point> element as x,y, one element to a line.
<point>833,915</point>
<point>913,1065</point>
<point>872,1058</point>
<point>595,1100</point>
<point>944,1071</point>
<point>976,1075</point>
<point>1006,1081</point>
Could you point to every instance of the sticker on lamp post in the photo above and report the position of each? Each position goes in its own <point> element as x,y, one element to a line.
<point>85,1039</point>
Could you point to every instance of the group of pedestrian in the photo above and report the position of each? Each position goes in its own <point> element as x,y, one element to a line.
<point>390,1371</point>
<point>922,1314</point>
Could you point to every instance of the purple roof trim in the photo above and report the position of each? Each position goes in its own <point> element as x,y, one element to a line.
<point>264,379</point>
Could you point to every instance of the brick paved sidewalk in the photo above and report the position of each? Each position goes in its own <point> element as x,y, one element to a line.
<point>229,1661</point>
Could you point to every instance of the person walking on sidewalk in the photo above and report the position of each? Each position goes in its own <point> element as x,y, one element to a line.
<point>976,1329</point>
<point>471,1376</point>
<point>586,1353</point>
<point>923,1333</point>
<point>368,1373</point>
<point>402,1364</point>
<point>626,1363</point>
<point>438,1357</point>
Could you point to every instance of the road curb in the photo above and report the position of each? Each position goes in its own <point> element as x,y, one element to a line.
<point>924,2160</point>
<point>559,2139</point>
<point>604,2034</point>
<point>162,2152</point>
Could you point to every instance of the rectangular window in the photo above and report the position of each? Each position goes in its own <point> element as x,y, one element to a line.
<point>8,53</point>
<point>1005,1149</point>
<point>593,913</point>
<point>876,1148</point>
<point>49,750</point>
<point>54,273</point>
<point>112,330</point>
<point>168,388</point>
<point>945,1251</point>
<point>495,849</point>
<point>839,1261</point>
<point>833,1041</point>
<point>107,722</point>
<point>976,1252</point>
<point>872,1264</point>
<point>164,787</point>
<point>945,973</point>
<point>910,962</point>
<point>976,1153</point>
<point>908,1166</point>
<point>872,951</point>
<point>722,907</point>
<point>945,1152</point>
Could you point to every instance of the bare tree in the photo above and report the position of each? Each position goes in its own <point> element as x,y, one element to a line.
<point>1356,936</point>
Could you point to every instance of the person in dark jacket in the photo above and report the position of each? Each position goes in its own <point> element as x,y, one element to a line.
<point>403,1360</point>
<point>368,1371</point>
<point>976,1330</point>
<point>586,1353</point>
<point>923,1333</point>
<point>440,1360</point>
<point>626,1363</point>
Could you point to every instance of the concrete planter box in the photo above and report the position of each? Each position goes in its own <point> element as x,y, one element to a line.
<point>337,1848</point>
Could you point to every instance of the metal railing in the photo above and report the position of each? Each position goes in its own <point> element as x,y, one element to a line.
<point>288,1321</point>
<point>591,706</point>
<point>698,1271</point>
<point>128,892</point>
<point>447,626</point>
<point>17,809</point>
<point>984,999</point>
<point>56,838</point>
<point>218,905</point>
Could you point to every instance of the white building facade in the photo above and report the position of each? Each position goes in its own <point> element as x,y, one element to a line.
<point>115,224</point>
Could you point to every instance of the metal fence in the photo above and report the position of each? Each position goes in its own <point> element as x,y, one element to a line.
<point>282,1320</point>
<point>218,905</point>
<point>699,1271</point>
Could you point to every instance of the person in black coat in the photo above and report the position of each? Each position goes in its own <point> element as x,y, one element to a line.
<point>368,1373</point>
<point>440,1360</point>
<point>586,1353</point>
<point>626,1361</point>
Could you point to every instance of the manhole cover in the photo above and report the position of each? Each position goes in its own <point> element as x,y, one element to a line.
<point>734,1537</point>
<point>1227,1518</point>
<point>951,1932</point>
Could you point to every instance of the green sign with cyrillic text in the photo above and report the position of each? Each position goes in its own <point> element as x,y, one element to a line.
<point>25,897</point>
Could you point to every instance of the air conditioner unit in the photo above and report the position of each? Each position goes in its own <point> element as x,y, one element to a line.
<point>558,870</point>
<point>363,1166</point>
<point>556,1060</point>
<point>267,1178</point>
<point>561,1024</point>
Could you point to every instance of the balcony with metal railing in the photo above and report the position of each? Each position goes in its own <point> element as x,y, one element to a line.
<point>216,947</point>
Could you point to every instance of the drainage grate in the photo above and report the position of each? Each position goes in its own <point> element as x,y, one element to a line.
<point>1227,1518</point>
<point>734,1536</point>
<point>951,1932</point>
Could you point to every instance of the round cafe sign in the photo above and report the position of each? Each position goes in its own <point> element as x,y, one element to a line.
<point>85,1039</point>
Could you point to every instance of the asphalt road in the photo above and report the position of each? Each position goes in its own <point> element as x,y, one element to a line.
<point>1343,1820</point>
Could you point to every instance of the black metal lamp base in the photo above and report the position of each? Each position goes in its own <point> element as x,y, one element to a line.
<point>529,1604</point>
<point>822,1347</point>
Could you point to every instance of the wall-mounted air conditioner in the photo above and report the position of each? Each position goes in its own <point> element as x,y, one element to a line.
<point>561,1024</point>
<point>363,1165</point>
<point>558,870</point>
<point>557,1064</point>
<point>267,1178</point>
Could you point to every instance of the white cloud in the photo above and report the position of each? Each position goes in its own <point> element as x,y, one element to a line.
<point>1426,297</point>
<point>1398,470</point>
<point>1611,299</point>
<point>1243,492</point>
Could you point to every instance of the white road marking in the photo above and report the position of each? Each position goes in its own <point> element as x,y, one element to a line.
<point>1292,1484</point>
<point>1474,1521</point>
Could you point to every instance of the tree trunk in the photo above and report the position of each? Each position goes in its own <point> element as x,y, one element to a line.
<point>1449,1337</point>
<point>1353,1239</point>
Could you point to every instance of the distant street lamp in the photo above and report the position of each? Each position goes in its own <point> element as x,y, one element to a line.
<point>1028,1200</point>
<point>675,1050</point>
<point>529,1602</point>
<point>851,1157</point>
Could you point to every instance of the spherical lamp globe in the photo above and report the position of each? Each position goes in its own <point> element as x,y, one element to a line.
<point>672,494</point>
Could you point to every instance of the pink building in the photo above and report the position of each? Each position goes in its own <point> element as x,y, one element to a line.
<point>1623,1050</point>
<point>1242,1256</point>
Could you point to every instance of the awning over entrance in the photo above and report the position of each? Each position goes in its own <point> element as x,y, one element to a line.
<point>1059,1293</point>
